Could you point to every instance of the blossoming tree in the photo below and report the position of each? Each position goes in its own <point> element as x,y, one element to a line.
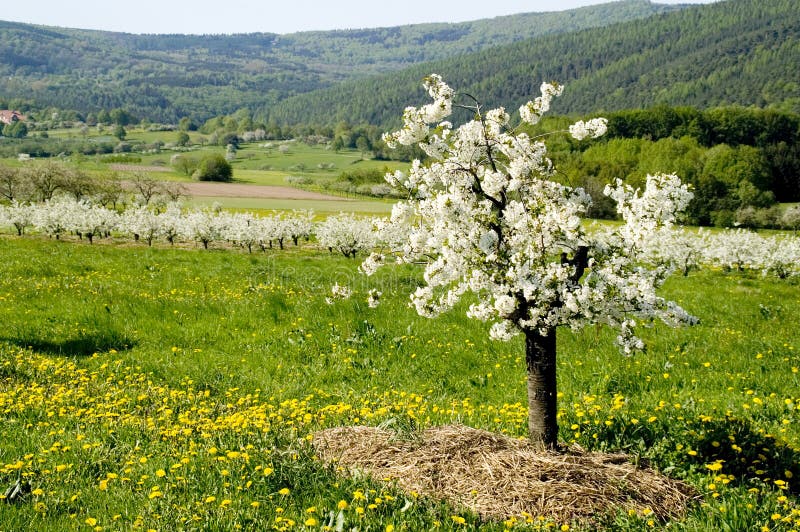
<point>488,218</point>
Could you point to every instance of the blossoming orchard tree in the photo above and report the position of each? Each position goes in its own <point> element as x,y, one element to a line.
<point>488,218</point>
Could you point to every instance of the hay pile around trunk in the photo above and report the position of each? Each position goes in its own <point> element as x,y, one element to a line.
<point>497,476</point>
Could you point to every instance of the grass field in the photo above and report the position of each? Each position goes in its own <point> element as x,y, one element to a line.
<point>298,159</point>
<point>323,207</point>
<point>254,164</point>
<point>175,389</point>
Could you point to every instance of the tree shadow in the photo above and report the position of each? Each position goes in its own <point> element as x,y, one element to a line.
<point>746,453</point>
<point>85,344</point>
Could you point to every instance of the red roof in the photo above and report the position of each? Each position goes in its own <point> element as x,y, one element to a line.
<point>7,117</point>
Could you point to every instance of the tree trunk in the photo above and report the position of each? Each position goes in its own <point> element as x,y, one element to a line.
<point>540,356</point>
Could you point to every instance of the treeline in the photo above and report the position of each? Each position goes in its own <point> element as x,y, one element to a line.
<point>760,145</point>
<point>43,181</point>
<point>741,52</point>
<point>731,184</point>
<point>741,162</point>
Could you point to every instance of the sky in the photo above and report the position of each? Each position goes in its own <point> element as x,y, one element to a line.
<point>271,16</point>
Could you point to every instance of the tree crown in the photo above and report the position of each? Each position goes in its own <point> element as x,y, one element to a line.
<point>487,217</point>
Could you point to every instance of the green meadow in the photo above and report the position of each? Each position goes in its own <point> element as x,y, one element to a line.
<point>263,162</point>
<point>322,207</point>
<point>278,163</point>
<point>178,388</point>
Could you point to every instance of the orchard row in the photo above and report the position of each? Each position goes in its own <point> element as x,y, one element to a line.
<point>685,249</point>
<point>62,216</point>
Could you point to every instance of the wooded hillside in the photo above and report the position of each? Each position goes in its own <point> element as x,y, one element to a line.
<point>165,77</point>
<point>742,52</point>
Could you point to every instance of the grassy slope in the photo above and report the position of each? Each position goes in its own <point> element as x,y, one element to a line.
<point>130,347</point>
<point>254,165</point>
<point>299,160</point>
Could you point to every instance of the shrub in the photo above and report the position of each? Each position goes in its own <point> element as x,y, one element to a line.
<point>122,158</point>
<point>183,164</point>
<point>214,168</point>
<point>297,180</point>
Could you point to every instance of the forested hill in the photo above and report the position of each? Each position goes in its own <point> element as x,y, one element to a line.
<point>165,77</point>
<point>734,52</point>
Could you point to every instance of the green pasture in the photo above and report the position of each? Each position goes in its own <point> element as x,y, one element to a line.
<point>295,158</point>
<point>173,389</point>
<point>301,159</point>
<point>254,164</point>
<point>132,134</point>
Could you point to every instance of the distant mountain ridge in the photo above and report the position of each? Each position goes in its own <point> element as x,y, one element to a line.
<point>744,52</point>
<point>165,77</point>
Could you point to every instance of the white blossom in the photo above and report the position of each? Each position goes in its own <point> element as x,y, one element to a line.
<point>338,292</point>
<point>347,234</point>
<point>532,111</point>
<point>486,218</point>
<point>374,298</point>
<point>596,127</point>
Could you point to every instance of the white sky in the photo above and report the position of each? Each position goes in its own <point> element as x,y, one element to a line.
<point>274,16</point>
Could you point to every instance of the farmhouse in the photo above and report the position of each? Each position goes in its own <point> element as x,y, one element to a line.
<point>9,117</point>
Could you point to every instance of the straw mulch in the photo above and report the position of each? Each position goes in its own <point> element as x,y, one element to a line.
<point>498,477</point>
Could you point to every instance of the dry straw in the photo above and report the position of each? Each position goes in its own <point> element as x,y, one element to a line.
<point>497,476</point>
